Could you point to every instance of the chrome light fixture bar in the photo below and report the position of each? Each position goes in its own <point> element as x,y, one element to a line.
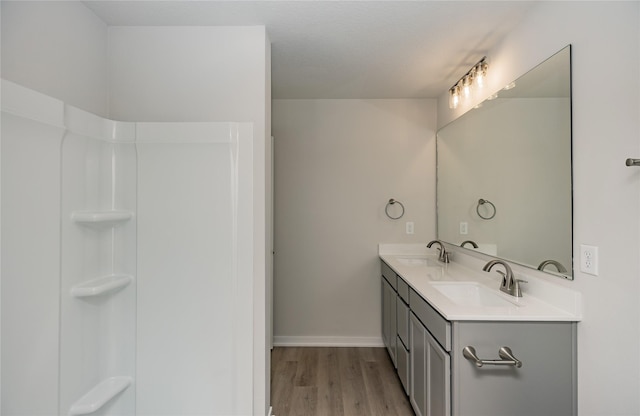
<point>472,80</point>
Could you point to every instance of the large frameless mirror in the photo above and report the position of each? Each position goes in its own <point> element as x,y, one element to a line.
<point>504,172</point>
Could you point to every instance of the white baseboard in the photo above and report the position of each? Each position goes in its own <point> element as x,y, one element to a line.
<point>307,341</point>
<point>270,411</point>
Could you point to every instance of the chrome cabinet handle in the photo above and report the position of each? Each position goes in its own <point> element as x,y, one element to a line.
<point>505,354</point>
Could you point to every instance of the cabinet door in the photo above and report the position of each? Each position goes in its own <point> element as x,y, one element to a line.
<point>418,367</point>
<point>389,319</point>
<point>385,312</point>
<point>403,365</point>
<point>402,315</point>
<point>393,328</point>
<point>438,379</point>
<point>430,372</point>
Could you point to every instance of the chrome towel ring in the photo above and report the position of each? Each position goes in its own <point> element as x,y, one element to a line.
<point>393,202</point>
<point>486,216</point>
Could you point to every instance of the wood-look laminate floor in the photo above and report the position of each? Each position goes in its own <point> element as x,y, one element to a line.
<point>327,381</point>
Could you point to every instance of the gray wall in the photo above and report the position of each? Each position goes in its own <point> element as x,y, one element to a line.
<point>337,164</point>
<point>57,48</point>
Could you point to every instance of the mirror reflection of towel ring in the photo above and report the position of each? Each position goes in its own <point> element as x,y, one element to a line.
<point>392,202</point>
<point>482,202</point>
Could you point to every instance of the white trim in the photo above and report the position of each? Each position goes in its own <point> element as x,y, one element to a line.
<point>315,341</point>
<point>270,411</point>
<point>187,132</point>
<point>30,104</point>
<point>93,126</point>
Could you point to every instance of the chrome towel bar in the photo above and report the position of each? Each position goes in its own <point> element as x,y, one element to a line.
<point>505,354</point>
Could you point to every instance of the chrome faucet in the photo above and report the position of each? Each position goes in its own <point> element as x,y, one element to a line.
<point>473,243</point>
<point>509,284</point>
<point>444,254</point>
<point>559,266</point>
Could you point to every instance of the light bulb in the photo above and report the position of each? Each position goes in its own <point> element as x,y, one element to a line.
<point>481,73</point>
<point>454,97</point>
<point>466,86</point>
<point>480,80</point>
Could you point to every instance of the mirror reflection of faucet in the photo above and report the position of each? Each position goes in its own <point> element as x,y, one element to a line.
<point>557,264</point>
<point>473,244</point>
<point>444,255</point>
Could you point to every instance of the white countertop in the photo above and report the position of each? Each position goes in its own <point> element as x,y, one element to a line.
<point>541,301</point>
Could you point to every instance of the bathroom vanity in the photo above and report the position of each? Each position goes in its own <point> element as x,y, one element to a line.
<point>463,348</point>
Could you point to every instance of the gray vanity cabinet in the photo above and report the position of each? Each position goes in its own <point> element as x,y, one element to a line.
<point>441,381</point>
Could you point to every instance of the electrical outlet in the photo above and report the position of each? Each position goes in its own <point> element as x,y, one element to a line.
<point>464,228</point>
<point>589,259</point>
<point>409,227</point>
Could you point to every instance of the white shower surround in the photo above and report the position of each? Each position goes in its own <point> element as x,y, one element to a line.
<point>175,268</point>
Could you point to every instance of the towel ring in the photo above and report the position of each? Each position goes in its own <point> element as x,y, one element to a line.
<point>391,202</point>
<point>482,202</point>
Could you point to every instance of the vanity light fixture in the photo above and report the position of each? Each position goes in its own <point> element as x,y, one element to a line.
<point>471,81</point>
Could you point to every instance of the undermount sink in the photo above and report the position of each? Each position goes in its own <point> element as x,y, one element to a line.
<point>418,261</point>
<point>472,294</point>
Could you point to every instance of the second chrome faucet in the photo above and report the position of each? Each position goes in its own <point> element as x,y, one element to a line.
<point>509,284</point>
<point>444,255</point>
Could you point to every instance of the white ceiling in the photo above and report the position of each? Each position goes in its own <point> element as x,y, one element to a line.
<point>347,49</point>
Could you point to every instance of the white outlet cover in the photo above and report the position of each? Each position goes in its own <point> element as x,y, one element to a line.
<point>589,259</point>
<point>409,227</point>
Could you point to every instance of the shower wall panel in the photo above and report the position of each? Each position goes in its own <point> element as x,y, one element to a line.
<point>30,149</point>
<point>193,302</point>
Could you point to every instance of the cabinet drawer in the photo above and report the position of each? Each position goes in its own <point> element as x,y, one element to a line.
<point>389,274</point>
<point>403,366</point>
<point>548,354</point>
<point>439,327</point>
<point>402,316</point>
<point>403,290</point>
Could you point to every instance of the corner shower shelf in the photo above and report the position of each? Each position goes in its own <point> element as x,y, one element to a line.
<point>107,218</point>
<point>98,396</point>
<point>101,285</point>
